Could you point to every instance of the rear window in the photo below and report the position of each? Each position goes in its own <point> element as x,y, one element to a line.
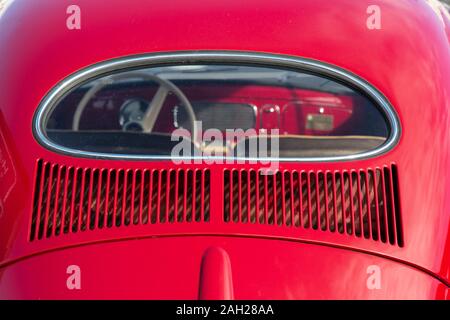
<point>148,112</point>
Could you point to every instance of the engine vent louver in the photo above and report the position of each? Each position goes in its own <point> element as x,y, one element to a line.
<point>361,203</point>
<point>69,199</point>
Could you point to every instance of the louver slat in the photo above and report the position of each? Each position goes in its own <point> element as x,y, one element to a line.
<point>362,203</point>
<point>71,200</point>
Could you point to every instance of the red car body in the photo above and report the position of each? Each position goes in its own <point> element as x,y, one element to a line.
<point>407,60</point>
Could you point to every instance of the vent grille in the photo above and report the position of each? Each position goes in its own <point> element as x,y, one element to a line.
<point>361,203</point>
<point>70,200</point>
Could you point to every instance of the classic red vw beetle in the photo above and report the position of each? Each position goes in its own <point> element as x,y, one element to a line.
<point>286,149</point>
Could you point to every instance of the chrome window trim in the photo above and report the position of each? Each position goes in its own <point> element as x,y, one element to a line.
<point>197,57</point>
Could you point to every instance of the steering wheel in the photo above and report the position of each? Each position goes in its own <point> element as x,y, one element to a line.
<point>151,114</point>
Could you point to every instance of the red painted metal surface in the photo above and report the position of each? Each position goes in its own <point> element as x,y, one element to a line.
<point>408,60</point>
<point>170,268</point>
<point>216,276</point>
<point>342,202</point>
<point>63,198</point>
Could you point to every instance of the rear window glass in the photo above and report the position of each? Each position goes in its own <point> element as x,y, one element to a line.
<point>147,112</point>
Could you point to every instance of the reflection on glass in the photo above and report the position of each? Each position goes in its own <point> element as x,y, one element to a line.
<point>136,112</point>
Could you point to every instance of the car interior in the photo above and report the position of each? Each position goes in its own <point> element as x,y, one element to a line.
<point>138,111</point>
